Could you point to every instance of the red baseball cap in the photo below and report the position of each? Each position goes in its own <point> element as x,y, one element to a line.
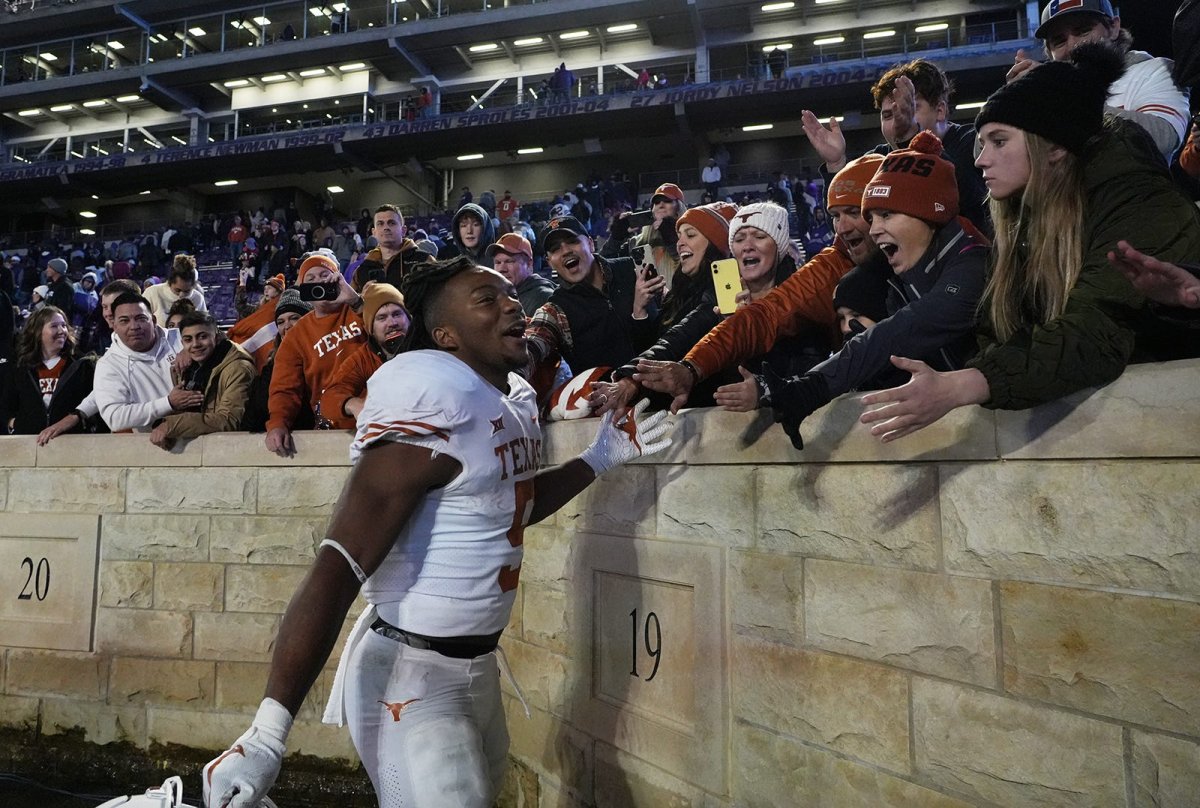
<point>513,244</point>
<point>670,190</point>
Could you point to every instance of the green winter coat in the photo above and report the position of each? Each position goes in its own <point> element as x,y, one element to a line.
<point>1106,323</point>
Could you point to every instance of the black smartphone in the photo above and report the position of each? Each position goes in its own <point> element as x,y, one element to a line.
<point>319,291</point>
<point>640,218</point>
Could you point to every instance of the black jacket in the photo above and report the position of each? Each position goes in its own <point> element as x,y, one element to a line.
<point>20,397</point>
<point>8,327</point>
<point>603,331</point>
<point>533,292</point>
<point>254,419</point>
<point>373,269</point>
<point>62,295</point>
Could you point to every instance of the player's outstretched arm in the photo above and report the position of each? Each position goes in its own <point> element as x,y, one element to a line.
<point>384,489</point>
<point>617,441</point>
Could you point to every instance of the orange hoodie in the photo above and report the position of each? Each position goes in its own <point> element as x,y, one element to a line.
<point>349,381</point>
<point>256,333</point>
<point>804,299</point>
<point>305,361</point>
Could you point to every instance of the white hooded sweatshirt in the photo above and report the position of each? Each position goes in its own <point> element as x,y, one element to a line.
<point>131,388</point>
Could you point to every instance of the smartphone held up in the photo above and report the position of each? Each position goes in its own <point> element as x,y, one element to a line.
<point>728,283</point>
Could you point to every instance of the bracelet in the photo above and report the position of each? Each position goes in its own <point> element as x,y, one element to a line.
<point>691,369</point>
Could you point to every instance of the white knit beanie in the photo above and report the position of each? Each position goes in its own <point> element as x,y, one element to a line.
<point>769,218</point>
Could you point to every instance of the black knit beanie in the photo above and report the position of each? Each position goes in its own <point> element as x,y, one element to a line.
<point>864,289</point>
<point>290,301</point>
<point>1061,101</point>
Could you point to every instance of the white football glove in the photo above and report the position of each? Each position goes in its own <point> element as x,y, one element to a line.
<point>632,436</point>
<point>242,776</point>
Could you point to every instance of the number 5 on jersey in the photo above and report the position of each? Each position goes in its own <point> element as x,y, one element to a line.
<point>523,507</point>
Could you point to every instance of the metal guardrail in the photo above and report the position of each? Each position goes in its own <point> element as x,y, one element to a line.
<point>253,26</point>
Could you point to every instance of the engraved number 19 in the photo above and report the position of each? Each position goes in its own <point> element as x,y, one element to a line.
<point>654,650</point>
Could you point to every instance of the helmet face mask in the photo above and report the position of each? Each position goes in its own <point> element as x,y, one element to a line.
<point>168,795</point>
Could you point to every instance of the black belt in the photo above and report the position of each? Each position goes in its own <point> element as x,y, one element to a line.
<point>456,647</point>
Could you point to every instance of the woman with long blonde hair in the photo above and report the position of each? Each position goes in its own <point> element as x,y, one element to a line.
<point>1066,183</point>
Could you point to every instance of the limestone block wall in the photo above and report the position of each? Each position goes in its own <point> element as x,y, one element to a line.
<point>1001,610</point>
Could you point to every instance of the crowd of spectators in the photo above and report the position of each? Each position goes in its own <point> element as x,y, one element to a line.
<point>1005,264</point>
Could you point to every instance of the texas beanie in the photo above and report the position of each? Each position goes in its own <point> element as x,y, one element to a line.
<point>915,181</point>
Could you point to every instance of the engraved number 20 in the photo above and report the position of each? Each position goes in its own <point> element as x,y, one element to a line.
<point>39,576</point>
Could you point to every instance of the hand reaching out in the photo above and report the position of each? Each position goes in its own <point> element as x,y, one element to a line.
<point>615,397</point>
<point>830,143</point>
<point>903,125</point>
<point>1160,281</point>
<point>672,378</point>
<point>926,397</point>
<point>740,396</point>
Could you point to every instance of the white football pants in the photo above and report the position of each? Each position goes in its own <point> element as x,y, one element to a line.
<point>430,729</point>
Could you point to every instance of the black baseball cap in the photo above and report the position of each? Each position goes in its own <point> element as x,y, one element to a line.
<point>563,224</point>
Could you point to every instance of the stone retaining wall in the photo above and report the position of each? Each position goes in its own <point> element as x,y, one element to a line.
<point>1002,609</point>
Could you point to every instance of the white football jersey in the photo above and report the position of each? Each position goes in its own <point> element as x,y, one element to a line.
<point>453,570</point>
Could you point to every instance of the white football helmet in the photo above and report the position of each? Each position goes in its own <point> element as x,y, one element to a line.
<point>168,795</point>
